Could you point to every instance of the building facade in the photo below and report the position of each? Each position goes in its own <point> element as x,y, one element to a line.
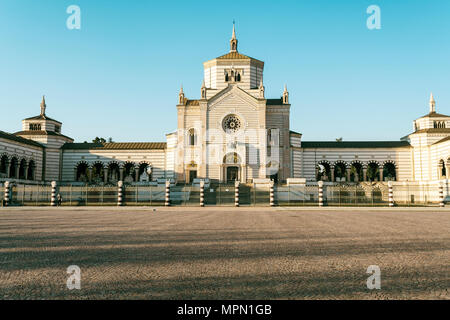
<point>232,132</point>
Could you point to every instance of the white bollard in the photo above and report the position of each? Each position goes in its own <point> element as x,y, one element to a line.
<point>441,195</point>
<point>320,193</point>
<point>202,193</point>
<point>391,194</point>
<point>236,194</point>
<point>272,194</point>
<point>119,193</point>
<point>6,195</point>
<point>53,200</point>
<point>167,203</point>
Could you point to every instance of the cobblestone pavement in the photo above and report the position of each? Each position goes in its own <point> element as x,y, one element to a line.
<point>224,253</point>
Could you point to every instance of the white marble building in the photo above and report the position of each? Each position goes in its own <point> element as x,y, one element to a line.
<point>232,132</point>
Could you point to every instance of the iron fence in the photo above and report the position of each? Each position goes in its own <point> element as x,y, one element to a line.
<point>334,194</point>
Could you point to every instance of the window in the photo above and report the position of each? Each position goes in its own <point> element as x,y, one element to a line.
<point>231,123</point>
<point>35,126</point>
<point>192,137</point>
<point>233,75</point>
<point>57,129</point>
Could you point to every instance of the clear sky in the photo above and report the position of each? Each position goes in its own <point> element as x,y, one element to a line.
<point>119,76</point>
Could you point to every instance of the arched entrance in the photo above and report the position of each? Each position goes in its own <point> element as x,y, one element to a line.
<point>356,172</point>
<point>340,171</point>
<point>13,169</point>
<point>373,171</point>
<point>82,172</point>
<point>389,171</point>
<point>323,171</point>
<point>232,167</point>
<point>4,166</point>
<point>31,170</point>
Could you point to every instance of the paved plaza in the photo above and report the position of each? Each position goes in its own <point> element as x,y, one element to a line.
<point>224,253</point>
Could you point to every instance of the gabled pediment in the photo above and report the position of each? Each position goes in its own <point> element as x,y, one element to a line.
<point>232,95</point>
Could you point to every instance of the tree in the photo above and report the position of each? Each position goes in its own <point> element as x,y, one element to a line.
<point>339,139</point>
<point>99,140</point>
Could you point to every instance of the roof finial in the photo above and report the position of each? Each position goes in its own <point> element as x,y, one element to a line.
<point>432,104</point>
<point>43,106</point>
<point>233,41</point>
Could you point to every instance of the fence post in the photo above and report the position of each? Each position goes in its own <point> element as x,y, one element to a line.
<point>272,194</point>
<point>119,193</point>
<point>6,195</point>
<point>391,194</point>
<point>320,193</point>
<point>236,194</point>
<point>441,195</point>
<point>167,203</point>
<point>202,193</point>
<point>53,199</point>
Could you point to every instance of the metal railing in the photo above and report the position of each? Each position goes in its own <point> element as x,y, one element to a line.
<point>334,194</point>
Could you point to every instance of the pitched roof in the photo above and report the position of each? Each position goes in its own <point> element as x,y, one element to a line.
<point>435,115</point>
<point>41,133</point>
<point>274,102</point>
<point>116,146</point>
<point>442,140</point>
<point>234,55</point>
<point>432,130</point>
<point>355,144</point>
<point>192,102</point>
<point>42,117</point>
<point>15,138</point>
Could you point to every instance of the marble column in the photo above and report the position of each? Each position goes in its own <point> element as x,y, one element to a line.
<point>25,168</point>
<point>364,174</point>
<point>8,168</point>
<point>121,174</point>
<point>447,171</point>
<point>348,174</point>
<point>89,174</point>
<point>332,174</point>
<point>381,173</point>
<point>136,173</point>
<point>17,170</point>
<point>105,175</point>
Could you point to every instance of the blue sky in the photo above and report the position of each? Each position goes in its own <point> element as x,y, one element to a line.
<point>119,75</point>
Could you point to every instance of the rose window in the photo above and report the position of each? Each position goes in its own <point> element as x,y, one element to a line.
<point>232,123</point>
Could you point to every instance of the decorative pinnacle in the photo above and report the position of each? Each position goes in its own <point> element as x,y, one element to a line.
<point>43,106</point>
<point>432,103</point>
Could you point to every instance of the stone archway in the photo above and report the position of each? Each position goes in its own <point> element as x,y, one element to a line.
<point>4,166</point>
<point>14,168</point>
<point>31,170</point>
<point>323,171</point>
<point>82,172</point>
<point>340,171</point>
<point>389,171</point>
<point>373,171</point>
<point>232,168</point>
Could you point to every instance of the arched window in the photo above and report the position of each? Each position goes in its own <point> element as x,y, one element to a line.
<point>31,170</point>
<point>192,138</point>
<point>238,77</point>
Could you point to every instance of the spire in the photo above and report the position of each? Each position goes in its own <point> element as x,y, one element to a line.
<point>203,93</point>
<point>261,89</point>
<point>432,104</point>
<point>181,96</point>
<point>285,95</point>
<point>233,41</point>
<point>43,106</point>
